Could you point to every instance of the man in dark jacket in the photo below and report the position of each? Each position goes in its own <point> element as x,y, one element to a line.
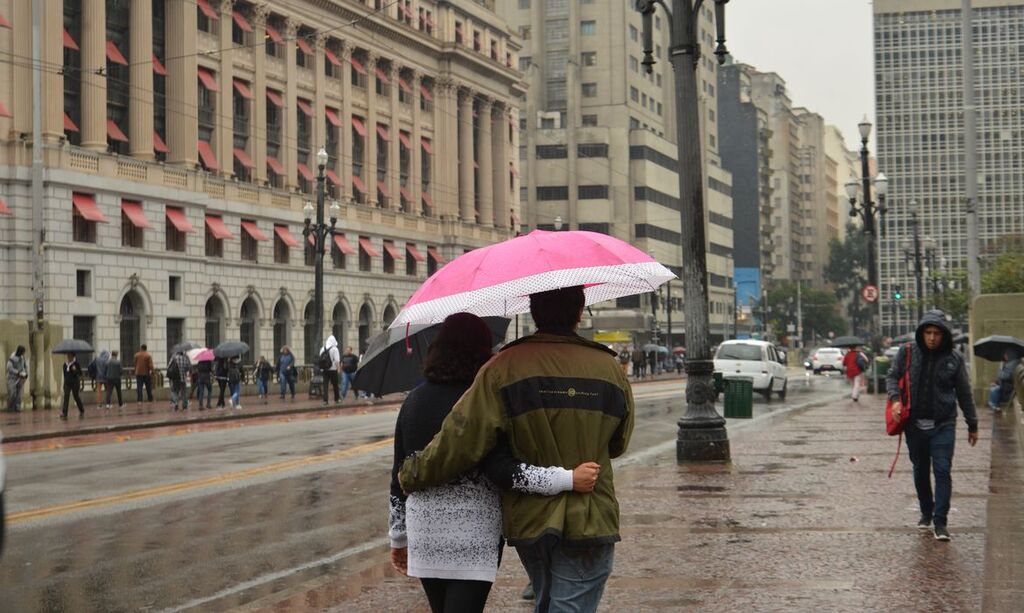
<point>72,381</point>
<point>349,365</point>
<point>1002,387</point>
<point>938,381</point>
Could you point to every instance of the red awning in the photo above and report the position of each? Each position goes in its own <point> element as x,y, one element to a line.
<point>404,139</point>
<point>357,123</point>
<point>207,10</point>
<point>342,243</point>
<point>69,125</point>
<point>414,253</point>
<point>3,110</point>
<point>357,65</point>
<point>395,254</point>
<point>4,23</point>
<point>332,116</point>
<point>303,45</point>
<point>358,184</point>
<point>273,34</point>
<point>243,89</point>
<point>69,43</point>
<point>158,66</point>
<point>135,213</point>
<point>430,20</point>
<point>217,228</point>
<point>425,91</point>
<point>275,98</point>
<point>331,57</point>
<point>85,205</point>
<point>250,228</point>
<point>513,169</point>
<point>3,208</point>
<point>427,200</point>
<point>383,76</point>
<point>244,158</point>
<point>209,79</point>
<point>405,194</point>
<point>114,54</point>
<point>286,236</point>
<point>241,21</point>
<point>178,219</point>
<point>306,173</point>
<point>425,143</point>
<point>304,106</point>
<point>208,157</point>
<point>114,132</point>
<point>275,165</point>
<point>404,85</point>
<point>382,130</point>
<point>332,176</point>
<point>434,254</point>
<point>158,143</point>
<point>368,248</point>
<point>382,187</point>
<point>405,10</point>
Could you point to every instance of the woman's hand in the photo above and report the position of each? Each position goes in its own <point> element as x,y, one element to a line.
<point>897,409</point>
<point>584,477</point>
<point>400,560</point>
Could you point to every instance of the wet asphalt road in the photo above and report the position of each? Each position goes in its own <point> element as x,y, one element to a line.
<point>236,518</point>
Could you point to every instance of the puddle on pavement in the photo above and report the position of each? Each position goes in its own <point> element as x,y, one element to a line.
<point>648,519</point>
<point>700,488</point>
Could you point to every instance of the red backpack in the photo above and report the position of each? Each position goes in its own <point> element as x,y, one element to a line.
<point>894,427</point>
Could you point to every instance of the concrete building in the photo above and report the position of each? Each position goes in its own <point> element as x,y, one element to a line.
<point>598,148</point>
<point>179,144</point>
<point>820,192</point>
<point>847,169</point>
<point>919,128</point>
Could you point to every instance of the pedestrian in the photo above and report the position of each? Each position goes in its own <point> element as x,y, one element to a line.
<point>639,362</point>
<point>938,381</point>
<point>17,374</point>
<point>114,372</point>
<point>449,536</point>
<point>177,374</point>
<point>72,383</point>
<point>679,363</point>
<point>235,382</point>
<point>204,383</point>
<point>143,374</point>
<point>329,364</point>
<point>286,371</point>
<point>220,372</point>
<point>559,400</point>
<point>1002,387</point>
<point>349,366</point>
<point>854,364</point>
<point>97,369</point>
<point>624,360</point>
<point>261,372</point>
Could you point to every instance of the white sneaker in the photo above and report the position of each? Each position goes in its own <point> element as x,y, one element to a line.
<point>238,407</point>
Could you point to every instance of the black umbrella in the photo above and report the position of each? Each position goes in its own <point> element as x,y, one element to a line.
<point>72,345</point>
<point>184,347</point>
<point>230,349</point>
<point>847,341</point>
<point>389,367</point>
<point>992,347</point>
<point>903,338</point>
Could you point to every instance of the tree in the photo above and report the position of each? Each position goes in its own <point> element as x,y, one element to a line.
<point>847,262</point>
<point>1005,275</point>
<point>820,310</point>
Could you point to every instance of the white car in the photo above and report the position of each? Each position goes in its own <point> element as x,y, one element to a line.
<point>757,360</point>
<point>827,358</point>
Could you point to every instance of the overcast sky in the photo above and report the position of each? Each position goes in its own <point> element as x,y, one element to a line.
<point>822,48</point>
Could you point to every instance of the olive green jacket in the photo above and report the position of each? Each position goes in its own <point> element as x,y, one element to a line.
<point>560,401</point>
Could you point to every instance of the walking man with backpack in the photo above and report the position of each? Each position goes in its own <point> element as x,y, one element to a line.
<point>938,381</point>
<point>329,364</point>
<point>349,365</point>
<point>855,363</point>
<point>177,374</point>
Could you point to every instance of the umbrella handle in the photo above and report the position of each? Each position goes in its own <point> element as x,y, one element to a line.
<point>408,346</point>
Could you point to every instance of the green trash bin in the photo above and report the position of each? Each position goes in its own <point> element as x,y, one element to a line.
<point>739,397</point>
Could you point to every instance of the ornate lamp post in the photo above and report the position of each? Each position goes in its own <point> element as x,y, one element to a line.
<point>914,254</point>
<point>702,436</point>
<point>320,232</point>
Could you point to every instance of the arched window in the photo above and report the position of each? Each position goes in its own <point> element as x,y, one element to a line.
<point>214,322</point>
<point>310,336</point>
<point>282,325</point>
<point>389,315</point>
<point>131,312</point>
<point>339,325</point>
<point>248,325</point>
<point>365,321</point>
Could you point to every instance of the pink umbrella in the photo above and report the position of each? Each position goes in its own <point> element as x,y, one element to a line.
<point>498,279</point>
<point>203,354</point>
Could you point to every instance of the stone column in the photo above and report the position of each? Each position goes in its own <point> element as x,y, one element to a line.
<point>94,86</point>
<point>514,205</point>
<point>140,105</point>
<point>52,81</point>
<point>416,151</point>
<point>319,98</point>
<point>484,149</point>
<point>224,123</point>
<point>258,123</point>
<point>394,147</point>
<point>182,84</point>
<point>290,133</point>
<point>346,121</point>
<point>370,164</point>
<point>467,205</point>
<point>499,143</point>
<point>446,131</point>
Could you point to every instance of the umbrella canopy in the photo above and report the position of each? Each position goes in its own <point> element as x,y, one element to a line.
<point>498,279</point>
<point>185,347</point>
<point>847,341</point>
<point>904,338</point>
<point>649,347</point>
<point>230,349</point>
<point>679,350</point>
<point>201,354</point>
<point>992,347</point>
<point>388,366</point>
<point>72,345</point>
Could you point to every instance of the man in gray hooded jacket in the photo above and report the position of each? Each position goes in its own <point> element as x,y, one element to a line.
<point>938,381</point>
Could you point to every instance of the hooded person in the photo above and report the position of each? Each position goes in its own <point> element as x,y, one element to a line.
<point>17,373</point>
<point>329,363</point>
<point>98,372</point>
<point>938,382</point>
<point>1002,387</point>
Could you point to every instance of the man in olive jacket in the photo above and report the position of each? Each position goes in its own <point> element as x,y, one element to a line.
<point>560,400</point>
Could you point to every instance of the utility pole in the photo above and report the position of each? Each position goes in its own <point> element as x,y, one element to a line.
<point>38,282</point>
<point>970,152</point>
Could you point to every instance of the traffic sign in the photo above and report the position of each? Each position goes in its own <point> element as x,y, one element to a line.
<point>869,293</point>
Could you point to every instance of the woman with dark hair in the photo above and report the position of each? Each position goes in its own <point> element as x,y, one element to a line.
<point>450,536</point>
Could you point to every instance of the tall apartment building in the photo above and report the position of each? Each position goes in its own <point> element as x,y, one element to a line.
<point>179,142</point>
<point>820,192</point>
<point>920,144</point>
<point>598,147</point>
<point>847,169</point>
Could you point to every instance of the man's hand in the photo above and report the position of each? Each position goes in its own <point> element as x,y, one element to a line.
<point>400,560</point>
<point>972,438</point>
<point>584,477</point>
<point>897,409</point>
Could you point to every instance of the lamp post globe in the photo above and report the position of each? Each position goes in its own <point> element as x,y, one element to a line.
<point>558,223</point>
<point>322,157</point>
<point>864,127</point>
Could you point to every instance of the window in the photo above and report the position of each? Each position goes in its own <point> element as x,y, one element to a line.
<point>214,245</point>
<point>633,33</point>
<point>589,120</point>
<point>389,260</point>
<point>634,64</point>
<point>174,288</point>
<point>175,331</point>
<point>84,329</point>
<point>282,251</point>
<point>588,58</point>
<point>524,4</point>
<point>589,90</point>
<point>659,109</point>
<point>634,94</point>
<point>588,28</point>
<point>364,255</point>
<point>552,152</point>
<point>174,239</point>
<point>83,283</point>
<point>411,260</point>
<point>82,229</point>
<point>592,192</point>
<point>250,246</point>
<point>131,234</point>
<point>524,63</point>
<point>553,192</point>
<point>309,253</point>
<point>599,150</point>
<point>337,256</point>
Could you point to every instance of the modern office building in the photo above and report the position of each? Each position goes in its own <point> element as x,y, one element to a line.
<point>598,148</point>
<point>820,192</point>
<point>920,130</point>
<point>179,148</point>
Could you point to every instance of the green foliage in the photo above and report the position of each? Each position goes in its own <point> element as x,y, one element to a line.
<point>820,310</point>
<point>1005,275</point>
<point>847,263</point>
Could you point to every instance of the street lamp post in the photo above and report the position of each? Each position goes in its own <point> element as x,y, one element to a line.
<point>701,435</point>
<point>915,254</point>
<point>320,232</point>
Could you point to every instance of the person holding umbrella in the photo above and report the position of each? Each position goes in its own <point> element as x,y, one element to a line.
<point>854,363</point>
<point>177,374</point>
<point>72,381</point>
<point>17,373</point>
<point>1002,387</point>
<point>261,372</point>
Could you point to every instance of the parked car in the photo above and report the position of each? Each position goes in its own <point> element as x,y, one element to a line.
<point>827,358</point>
<point>757,360</point>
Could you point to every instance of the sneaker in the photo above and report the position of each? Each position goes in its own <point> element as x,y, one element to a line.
<point>238,407</point>
<point>528,593</point>
<point>941,534</point>
<point>924,523</point>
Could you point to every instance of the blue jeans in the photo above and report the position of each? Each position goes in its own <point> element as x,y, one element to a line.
<point>566,578</point>
<point>346,381</point>
<point>236,389</point>
<point>261,386</point>
<point>179,393</point>
<point>932,450</point>
<point>996,395</point>
<point>204,389</point>
<point>287,383</point>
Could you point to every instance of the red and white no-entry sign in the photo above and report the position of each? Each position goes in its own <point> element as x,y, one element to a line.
<point>869,293</point>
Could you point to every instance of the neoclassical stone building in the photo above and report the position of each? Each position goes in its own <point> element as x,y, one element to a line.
<point>178,149</point>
